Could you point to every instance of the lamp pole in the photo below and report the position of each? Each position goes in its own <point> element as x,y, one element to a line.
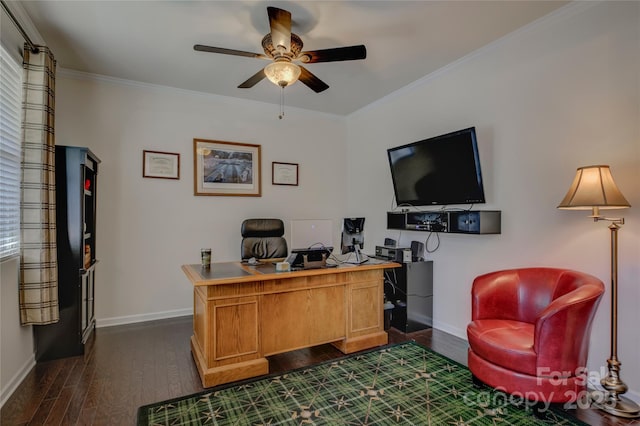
<point>593,188</point>
<point>611,401</point>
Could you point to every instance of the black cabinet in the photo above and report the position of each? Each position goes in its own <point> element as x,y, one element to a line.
<point>475,222</point>
<point>410,289</point>
<point>76,184</point>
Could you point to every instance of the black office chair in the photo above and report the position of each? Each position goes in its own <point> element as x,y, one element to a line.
<point>263,239</point>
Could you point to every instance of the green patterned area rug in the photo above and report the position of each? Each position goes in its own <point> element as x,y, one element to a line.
<point>403,384</point>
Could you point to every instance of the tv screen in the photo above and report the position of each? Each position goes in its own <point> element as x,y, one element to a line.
<point>438,171</point>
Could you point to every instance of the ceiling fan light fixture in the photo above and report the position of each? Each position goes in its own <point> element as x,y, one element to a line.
<point>282,73</point>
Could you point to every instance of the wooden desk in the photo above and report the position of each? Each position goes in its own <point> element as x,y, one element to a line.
<point>243,314</point>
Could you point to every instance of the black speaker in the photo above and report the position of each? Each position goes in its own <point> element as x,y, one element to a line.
<point>417,250</point>
<point>389,242</point>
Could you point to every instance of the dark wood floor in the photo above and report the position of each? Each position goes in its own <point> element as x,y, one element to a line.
<point>139,364</point>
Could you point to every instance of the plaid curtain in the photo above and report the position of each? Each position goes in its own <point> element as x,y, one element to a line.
<point>38,265</point>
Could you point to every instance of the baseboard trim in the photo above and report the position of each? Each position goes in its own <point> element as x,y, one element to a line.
<point>16,380</point>
<point>447,328</point>
<point>132,319</point>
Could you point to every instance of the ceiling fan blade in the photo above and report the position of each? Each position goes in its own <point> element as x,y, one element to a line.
<point>253,80</point>
<point>211,49</point>
<point>280,23</point>
<point>313,82</point>
<point>349,53</point>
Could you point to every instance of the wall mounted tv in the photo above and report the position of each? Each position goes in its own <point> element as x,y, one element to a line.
<point>438,171</point>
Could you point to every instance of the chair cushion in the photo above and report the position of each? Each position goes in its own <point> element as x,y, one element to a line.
<point>530,387</point>
<point>506,343</point>
<point>263,248</point>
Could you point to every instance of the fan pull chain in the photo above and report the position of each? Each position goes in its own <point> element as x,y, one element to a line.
<point>281,116</point>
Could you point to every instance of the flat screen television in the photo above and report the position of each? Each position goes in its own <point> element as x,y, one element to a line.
<point>437,171</point>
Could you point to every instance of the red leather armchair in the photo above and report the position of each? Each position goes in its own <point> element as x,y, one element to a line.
<point>529,334</point>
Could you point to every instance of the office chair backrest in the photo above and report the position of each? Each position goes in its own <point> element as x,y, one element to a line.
<point>263,239</point>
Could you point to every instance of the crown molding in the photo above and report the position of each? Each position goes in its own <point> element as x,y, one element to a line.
<point>25,21</point>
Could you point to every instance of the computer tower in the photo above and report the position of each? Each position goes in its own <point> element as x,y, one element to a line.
<point>410,289</point>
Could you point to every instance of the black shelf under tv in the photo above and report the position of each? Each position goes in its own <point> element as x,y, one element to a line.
<point>453,221</point>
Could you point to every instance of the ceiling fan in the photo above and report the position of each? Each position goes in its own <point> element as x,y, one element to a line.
<point>284,48</point>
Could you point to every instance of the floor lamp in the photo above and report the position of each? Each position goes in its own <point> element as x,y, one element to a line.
<point>594,189</point>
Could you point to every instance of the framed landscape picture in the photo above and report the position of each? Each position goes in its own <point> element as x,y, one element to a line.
<point>226,168</point>
<point>163,165</point>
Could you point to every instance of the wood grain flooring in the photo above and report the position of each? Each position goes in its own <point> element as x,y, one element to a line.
<point>133,365</point>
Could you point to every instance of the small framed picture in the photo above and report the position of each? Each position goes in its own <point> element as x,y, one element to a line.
<point>284,174</point>
<point>226,168</point>
<point>162,165</point>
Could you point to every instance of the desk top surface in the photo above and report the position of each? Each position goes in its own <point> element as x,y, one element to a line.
<point>237,272</point>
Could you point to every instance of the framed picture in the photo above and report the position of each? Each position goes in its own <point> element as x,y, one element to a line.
<point>284,174</point>
<point>163,165</point>
<point>226,168</point>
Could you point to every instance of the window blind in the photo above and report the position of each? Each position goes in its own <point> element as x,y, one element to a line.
<point>10,153</point>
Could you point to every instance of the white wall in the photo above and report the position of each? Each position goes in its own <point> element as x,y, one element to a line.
<point>147,228</point>
<point>16,342</point>
<point>559,94</point>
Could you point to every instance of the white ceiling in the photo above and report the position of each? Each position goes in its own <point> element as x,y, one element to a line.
<point>152,42</point>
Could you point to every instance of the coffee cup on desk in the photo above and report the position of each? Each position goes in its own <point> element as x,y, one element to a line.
<point>205,255</point>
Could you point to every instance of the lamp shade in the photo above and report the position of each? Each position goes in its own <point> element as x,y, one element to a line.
<point>593,186</point>
<point>282,73</point>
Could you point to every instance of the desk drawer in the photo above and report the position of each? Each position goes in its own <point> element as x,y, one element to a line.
<point>364,276</point>
<point>222,291</point>
<point>301,283</point>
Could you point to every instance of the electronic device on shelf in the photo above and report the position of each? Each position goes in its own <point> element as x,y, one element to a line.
<point>353,239</point>
<point>393,253</point>
<point>428,221</point>
<point>438,171</point>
